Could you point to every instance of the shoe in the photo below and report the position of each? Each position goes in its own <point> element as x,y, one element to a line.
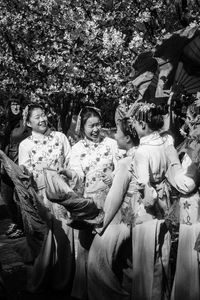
<point>11,228</point>
<point>18,233</point>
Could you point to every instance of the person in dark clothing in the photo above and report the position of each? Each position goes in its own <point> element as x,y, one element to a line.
<point>15,132</point>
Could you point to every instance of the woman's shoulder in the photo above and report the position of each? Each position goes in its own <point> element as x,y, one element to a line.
<point>58,134</point>
<point>142,150</point>
<point>167,138</point>
<point>26,142</point>
<point>125,162</point>
<point>123,166</point>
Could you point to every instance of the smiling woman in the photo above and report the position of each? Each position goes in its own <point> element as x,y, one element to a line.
<point>38,120</point>
<point>93,158</point>
<point>92,128</point>
<point>46,148</point>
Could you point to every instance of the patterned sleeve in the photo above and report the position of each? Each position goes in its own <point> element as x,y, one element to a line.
<point>78,175</point>
<point>66,149</point>
<point>24,157</point>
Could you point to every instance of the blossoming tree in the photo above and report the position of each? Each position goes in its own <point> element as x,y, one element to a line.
<point>69,52</point>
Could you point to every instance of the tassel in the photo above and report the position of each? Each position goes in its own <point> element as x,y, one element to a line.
<point>78,123</point>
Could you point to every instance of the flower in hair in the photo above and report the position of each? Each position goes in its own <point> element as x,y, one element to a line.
<point>143,112</point>
<point>146,107</point>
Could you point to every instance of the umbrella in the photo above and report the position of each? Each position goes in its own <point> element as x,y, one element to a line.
<point>182,51</point>
<point>187,74</point>
<point>190,84</point>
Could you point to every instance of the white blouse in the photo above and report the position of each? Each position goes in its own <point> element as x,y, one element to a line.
<point>91,160</point>
<point>151,161</point>
<point>40,151</point>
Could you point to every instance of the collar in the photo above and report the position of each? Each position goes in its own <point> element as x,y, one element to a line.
<point>90,142</point>
<point>40,136</point>
<point>153,139</point>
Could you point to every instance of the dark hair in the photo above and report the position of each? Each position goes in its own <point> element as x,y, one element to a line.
<point>156,122</point>
<point>127,129</point>
<point>30,108</point>
<point>86,113</point>
<point>14,101</point>
<point>150,114</point>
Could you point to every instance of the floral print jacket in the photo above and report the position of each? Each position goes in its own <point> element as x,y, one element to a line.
<point>91,161</point>
<point>40,151</point>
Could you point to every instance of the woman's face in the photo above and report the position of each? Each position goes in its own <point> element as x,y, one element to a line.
<point>15,108</point>
<point>92,128</point>
<point>121,138</point>
<point>38,121</point>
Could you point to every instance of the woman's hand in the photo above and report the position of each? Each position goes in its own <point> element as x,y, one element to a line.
<point>25,170</point>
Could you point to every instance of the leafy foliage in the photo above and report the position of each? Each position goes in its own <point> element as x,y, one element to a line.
<point>69,52</point>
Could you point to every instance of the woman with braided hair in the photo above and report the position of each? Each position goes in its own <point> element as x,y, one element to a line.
<point>150,236</point>
<point>150,162</point>
<point>112,246</point>
<point>144,202</point>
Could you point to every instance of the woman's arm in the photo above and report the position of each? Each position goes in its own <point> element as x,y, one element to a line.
<point>182,179</point>
<point>75,167</point>
<point>116,193</point>
<point>24,158</point>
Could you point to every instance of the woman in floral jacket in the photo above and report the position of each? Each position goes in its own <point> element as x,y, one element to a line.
<point>93,159</point>
<point>45,148</point>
